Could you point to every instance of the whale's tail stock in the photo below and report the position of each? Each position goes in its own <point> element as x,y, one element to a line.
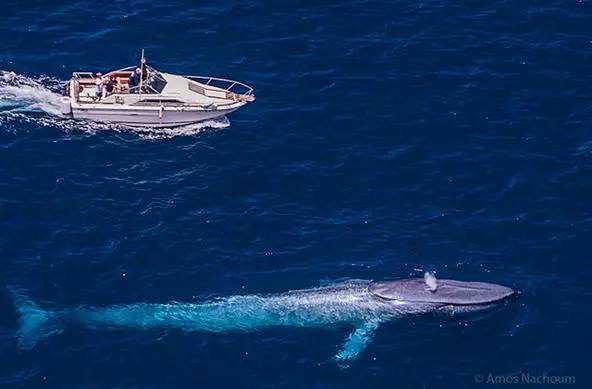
<point>34,322</point>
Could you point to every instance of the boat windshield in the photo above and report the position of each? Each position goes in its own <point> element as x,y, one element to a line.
<point>155,82</point>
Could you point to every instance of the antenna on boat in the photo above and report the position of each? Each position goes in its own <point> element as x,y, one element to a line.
<point>142,62</point>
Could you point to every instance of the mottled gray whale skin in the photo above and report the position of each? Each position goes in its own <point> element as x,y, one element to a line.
<point>446,292</point>
<point>360,304</point>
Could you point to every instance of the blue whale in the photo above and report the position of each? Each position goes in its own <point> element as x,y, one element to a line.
<point>360,304</point>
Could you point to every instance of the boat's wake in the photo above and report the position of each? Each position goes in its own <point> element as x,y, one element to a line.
<point>22,99</point>
<point>186,130</point>
<point>20,94</point>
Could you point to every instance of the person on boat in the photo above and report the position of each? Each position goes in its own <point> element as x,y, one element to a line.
<point>109,85</point>
<point>134,81</point>
<point>143,69</point>
<point>117,87</point>
<point>99,85</point>
<point>105,81</point>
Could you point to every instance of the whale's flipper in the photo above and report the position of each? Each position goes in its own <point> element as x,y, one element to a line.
<point>34,323</point>
<point>356,342</point>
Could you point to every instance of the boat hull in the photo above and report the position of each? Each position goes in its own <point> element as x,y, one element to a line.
<point>147,117</point>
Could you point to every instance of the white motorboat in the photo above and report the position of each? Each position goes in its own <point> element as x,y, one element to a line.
<point>160,100</point>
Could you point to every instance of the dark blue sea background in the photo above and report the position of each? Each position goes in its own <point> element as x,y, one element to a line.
<point>388,138</point>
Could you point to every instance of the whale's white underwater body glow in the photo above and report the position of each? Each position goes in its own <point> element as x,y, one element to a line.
<point>362,304</point>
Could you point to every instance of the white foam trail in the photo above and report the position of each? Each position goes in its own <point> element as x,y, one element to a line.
<point>187,130</point>
<point>8,77</point>
<point>23,94</point>
<point>144,133</point>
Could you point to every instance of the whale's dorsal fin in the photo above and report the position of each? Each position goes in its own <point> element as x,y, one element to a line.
<point>356,342</point>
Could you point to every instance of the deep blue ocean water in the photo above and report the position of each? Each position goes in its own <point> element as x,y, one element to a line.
<point>387,139</point>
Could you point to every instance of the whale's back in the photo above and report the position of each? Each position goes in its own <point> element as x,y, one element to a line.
<point>447,292</point>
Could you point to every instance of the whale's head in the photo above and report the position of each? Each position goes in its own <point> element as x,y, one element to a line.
<point>445,295</point>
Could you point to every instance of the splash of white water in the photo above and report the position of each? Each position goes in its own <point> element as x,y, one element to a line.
<point>189,129</point>
<point>23,94</point>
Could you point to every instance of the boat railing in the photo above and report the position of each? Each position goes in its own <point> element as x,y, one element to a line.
<point>213,85</point>
<point>79,75</point>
